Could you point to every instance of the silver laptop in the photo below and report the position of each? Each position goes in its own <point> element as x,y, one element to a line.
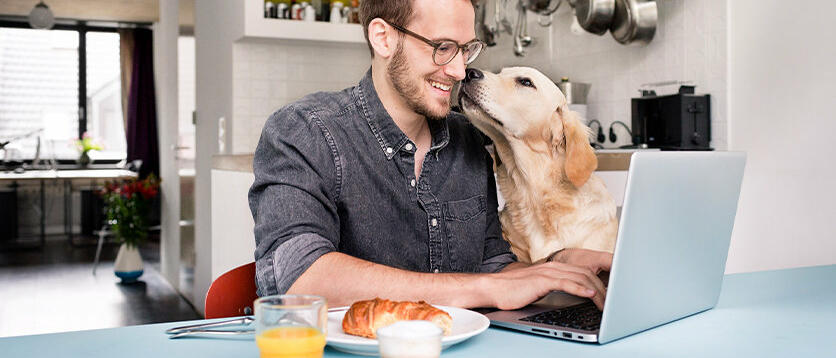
<point>670,255</point>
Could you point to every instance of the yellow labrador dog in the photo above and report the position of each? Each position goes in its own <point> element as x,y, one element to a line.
<point>544,164</point>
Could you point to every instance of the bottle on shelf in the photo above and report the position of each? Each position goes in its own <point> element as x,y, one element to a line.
<point>354,13</point>
<point>336,11</point>
<point>283,8</point>
<point>308,12</point>
<point>269,9</point>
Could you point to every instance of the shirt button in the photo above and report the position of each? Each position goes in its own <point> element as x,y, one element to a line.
<point>388,150</point>
<point>434,222</point>
<point>436,271</point>
<point>408,146</point>
<point>412,182</point>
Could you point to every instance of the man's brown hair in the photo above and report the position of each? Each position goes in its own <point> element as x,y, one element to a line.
<point>398,12</point>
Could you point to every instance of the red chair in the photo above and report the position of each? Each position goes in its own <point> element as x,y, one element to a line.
<point>232,294</point>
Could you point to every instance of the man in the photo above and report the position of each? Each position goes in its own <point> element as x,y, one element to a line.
<point>380,191</point>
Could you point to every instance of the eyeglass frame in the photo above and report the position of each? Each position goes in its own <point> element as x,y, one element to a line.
<point>436,44</point>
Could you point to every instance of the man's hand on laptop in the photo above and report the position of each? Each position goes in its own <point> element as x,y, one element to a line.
<point>513,289</point>
<point>596,261</point>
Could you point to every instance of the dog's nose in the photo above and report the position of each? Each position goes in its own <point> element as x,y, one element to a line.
<point>472,74</point>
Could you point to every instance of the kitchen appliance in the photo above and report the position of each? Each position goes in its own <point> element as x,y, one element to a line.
<point>680,121</point>
<point>575,93</point>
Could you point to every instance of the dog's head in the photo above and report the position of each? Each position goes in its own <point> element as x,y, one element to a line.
<point>521,105</point>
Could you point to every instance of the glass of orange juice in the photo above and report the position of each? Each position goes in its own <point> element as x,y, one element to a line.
<point>291,326</point>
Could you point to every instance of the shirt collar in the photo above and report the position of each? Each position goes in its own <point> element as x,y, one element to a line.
<point>388,135</point>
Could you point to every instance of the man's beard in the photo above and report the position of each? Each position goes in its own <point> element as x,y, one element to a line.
<point>399,74</point>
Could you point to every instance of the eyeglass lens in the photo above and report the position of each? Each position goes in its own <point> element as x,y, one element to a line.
<point>447,50</point>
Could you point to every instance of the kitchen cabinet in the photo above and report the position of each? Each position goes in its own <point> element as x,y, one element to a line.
<point>233,240</point>
<point>253,25</point>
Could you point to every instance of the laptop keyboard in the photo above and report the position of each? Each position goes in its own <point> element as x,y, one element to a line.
<point>584,316</point>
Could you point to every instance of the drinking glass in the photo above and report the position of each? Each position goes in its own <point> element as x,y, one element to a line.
<point>291,326</point>
<point>410,339</point>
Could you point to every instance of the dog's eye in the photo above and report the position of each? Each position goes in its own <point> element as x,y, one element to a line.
<point>526,82</point>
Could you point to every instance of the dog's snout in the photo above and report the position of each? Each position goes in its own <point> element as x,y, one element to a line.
<point>472,74</point>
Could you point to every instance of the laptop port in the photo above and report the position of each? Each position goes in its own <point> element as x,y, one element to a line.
<point>543,331</point>
<point>567,335</point>
<point>580,337</point>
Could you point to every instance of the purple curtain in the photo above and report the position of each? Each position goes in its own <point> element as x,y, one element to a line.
<point>141,129</point>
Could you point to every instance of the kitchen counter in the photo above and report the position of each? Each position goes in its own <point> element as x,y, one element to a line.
<point>233,162</point>
<point>608,160</point>
<point>613,160</point>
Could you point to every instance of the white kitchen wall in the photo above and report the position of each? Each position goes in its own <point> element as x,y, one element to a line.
<point>782,82</point>
<point>690,44</point>
<point>268,75</point>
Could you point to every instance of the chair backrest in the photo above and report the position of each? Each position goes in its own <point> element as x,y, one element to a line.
<point>232,294</point>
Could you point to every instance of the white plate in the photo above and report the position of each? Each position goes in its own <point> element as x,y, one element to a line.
<point>466,324</point>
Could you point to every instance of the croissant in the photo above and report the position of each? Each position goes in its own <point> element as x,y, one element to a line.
<point>365,317</point>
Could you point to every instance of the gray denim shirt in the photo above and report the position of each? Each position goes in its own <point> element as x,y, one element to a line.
<point>333,172</point>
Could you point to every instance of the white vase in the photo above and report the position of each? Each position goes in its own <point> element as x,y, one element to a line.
<point>128,265</point>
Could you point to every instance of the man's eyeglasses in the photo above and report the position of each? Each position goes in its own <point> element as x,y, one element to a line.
<point>446,50</point>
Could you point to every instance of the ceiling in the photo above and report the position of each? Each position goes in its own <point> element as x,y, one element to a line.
<point>101,10</point>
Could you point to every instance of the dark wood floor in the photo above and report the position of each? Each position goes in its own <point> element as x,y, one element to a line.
<point>53,290</point>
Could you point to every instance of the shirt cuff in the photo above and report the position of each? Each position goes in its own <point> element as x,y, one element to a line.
<point>498,262</point>
<point>277,272</point>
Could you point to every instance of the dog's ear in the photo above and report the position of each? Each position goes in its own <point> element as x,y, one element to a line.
<point>580,157</point>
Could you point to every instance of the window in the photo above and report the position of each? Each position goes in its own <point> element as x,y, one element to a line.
<point>104,94</point>
<point>42,96</point>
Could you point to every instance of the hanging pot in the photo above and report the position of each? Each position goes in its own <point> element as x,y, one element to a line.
<point>634,21</point>
<point>128,265</point>
<point>544,8</point>
<point>595,16</point>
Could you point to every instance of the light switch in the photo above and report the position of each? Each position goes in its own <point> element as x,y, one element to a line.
<point>222,135</point>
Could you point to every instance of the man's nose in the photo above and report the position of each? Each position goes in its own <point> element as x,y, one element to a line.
<point>472,74</point>
<point>456,68</point>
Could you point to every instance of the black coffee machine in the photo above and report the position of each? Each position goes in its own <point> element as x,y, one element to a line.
<point>680,121</point>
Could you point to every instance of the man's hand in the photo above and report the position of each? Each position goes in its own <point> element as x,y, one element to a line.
<point>513,289</point>
<point>595,261</point>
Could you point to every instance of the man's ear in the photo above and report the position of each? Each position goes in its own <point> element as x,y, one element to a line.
<point>580,157</point>
<point>383,38</point>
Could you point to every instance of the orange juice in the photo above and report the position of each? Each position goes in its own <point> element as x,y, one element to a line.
<point>291,342</point>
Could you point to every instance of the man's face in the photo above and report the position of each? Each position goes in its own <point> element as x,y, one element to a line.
<point>425,86</point>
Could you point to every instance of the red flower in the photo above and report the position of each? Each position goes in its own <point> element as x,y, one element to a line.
<point>127,190</point>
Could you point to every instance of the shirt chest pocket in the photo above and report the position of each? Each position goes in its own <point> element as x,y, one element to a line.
<point>464,222</point>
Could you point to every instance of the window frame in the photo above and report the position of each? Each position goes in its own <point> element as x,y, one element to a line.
<point>82,28</point>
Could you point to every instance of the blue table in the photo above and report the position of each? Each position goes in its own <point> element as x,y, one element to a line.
<point>784,313</point>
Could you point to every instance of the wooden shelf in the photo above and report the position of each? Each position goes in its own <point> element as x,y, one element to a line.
<point>255,26</point>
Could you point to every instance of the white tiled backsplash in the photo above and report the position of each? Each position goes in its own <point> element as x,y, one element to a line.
<point>269,75</point>
<point>690,44</point>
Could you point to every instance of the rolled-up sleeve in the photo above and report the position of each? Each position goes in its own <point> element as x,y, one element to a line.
<point>497,252</point>
<point>293,198</point>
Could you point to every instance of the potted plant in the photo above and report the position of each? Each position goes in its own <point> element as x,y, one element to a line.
<point>126,207</point>
<point>85,145</point>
